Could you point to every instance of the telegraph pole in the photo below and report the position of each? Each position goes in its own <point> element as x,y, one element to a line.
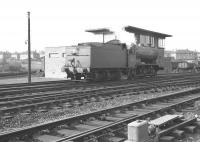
<point>29,49</point>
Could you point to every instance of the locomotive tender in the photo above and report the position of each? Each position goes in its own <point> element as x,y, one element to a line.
<point>113,60</point>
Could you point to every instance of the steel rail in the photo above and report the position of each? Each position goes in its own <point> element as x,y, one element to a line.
<point>46,99</point>
<point>31,130</point>
<point>126,120</point>
<point>65,81</point>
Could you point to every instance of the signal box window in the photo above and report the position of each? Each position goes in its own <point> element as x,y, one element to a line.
<point>152,42</point>
<point>147,41</point>
<point>144,40</point>
<point>161,42</point>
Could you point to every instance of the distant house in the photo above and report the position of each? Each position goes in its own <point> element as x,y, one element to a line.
<point>42,54</point>
<point>183,55</point>
<point>186,55</point>
<point>24,56</point>
<point>198,55</point>
<point>15,56</point>
<point>1,56</point>
<point>4,56</point>
<point>170,54</point>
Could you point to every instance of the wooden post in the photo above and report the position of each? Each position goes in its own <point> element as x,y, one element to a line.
<point>29,50</point>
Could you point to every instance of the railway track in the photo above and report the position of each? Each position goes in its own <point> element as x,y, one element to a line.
<point>121,116</point>
<point>38,102</point>
<point>10,105</point>
<point>38,87</point>
<point>81,127</point>
<point>120,91</point>
<point>64,84</point>
<point>14,95</point>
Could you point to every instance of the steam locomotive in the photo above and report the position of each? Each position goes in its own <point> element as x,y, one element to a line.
<point>113,60</point>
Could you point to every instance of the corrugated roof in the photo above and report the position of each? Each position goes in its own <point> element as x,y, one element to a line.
<point>132,29</point>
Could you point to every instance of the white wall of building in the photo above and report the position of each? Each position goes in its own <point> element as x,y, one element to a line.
<point>24,56</point>
<point>173,55</point>
<point>54,61</point>
<point>1,56</point>
<point>14,56</point>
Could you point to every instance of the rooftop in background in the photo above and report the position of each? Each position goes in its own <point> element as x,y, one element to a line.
<point>100,31</point>
<point>185,51</point>
<point>132,29</point>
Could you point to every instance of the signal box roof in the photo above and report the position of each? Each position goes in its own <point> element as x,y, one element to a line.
<point>132,29</point>
<point>100,31</point>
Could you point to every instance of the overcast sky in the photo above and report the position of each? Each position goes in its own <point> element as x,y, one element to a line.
<point>63,22</point>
